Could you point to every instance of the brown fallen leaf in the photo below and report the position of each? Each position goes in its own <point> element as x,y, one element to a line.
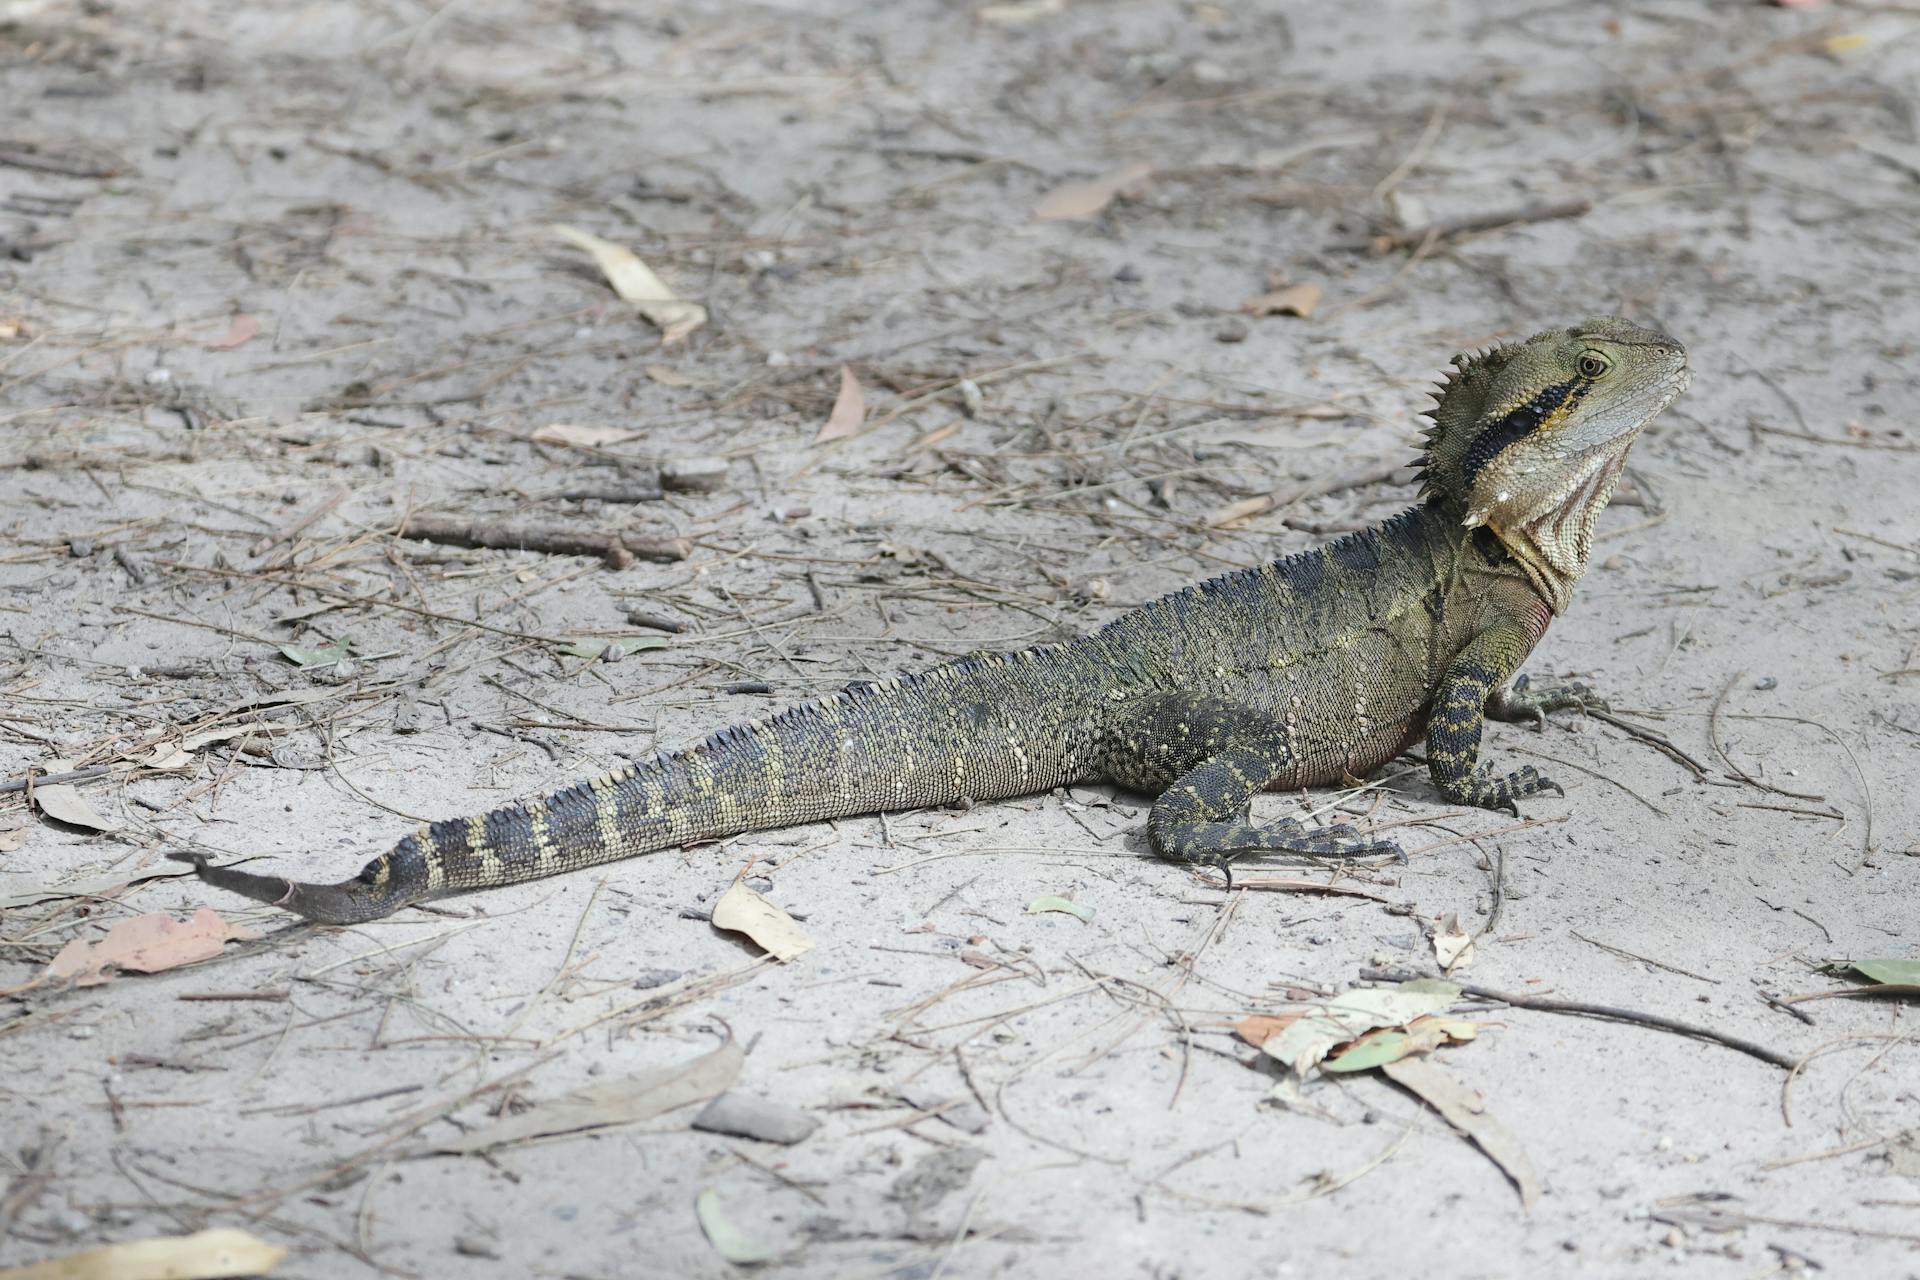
<point>741,910</point>
<point>244,328</point>
<point>205,1255</point>
<point>1079,201</point>
<point>147,944</point>
<point>1257,1028</point>
<point>635,282</point>
<point>1294,300</point>
<point>1464,1109</point>
<point>639,1097</point>
<point>849,409</point>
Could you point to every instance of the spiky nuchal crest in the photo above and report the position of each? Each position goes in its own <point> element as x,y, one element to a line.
<point>1529,438</point>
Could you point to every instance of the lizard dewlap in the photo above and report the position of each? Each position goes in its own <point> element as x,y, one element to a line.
<point>1307,670</point>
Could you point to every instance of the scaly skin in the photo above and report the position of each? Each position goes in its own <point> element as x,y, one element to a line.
<point>1308,670</point>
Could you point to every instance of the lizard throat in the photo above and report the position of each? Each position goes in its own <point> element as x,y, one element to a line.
<point>1552,540</point>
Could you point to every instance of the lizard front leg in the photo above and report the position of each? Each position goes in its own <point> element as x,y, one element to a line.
<point>1205,757</point>
<point>1470,691</point>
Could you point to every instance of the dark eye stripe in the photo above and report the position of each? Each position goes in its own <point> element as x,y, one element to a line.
<point>1521,423</point>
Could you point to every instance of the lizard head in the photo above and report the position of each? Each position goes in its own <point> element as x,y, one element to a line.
<point>1528,439</point>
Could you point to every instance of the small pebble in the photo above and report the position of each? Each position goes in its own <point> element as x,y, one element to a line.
<point>1232,330</point>
<point>745,1116</point>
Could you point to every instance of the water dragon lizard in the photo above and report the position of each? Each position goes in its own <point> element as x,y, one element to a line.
<point>1308,670</point>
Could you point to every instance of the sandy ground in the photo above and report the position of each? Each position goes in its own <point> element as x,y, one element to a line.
<point>273,262</point>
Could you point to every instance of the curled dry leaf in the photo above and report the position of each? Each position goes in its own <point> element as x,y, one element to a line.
<point>1245,509</point>
<point>580,436</point>
<point>849,409</point>
<point>1079,201</point>
<point>244,329</point>
<point>1294,300</point>
<point>147,944</point>
<point>205,1255</point>
<point>635,282</point>
<point>727,1240</point>
<point>1464,1109</point>
<point>741,910</point>
<point>62,801</point>
<point>1452,944</point>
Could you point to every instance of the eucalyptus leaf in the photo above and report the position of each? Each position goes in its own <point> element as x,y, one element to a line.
<point>327,657</point>
<point>1053,902</point>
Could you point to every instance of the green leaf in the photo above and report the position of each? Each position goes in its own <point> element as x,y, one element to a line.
<point>335,652</point>
<point>1903,972</point>
<point>1062,905</point>
<point>591,647</point>
<point>1374,1049</point>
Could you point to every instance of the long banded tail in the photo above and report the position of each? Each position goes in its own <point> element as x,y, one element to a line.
<point>983,728</point>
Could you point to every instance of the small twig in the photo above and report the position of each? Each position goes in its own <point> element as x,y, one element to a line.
<point>1447,228</point>
<point>299,524</point>
<point>617,549</point>
<point>52,779</point>
<point>1648,736</point>
<point>1713,736</point>
<point>1634,955</point>
<point>1612,1013</point>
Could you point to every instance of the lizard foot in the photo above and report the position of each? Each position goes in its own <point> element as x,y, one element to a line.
<point>1523,703</point>
<point>1219,844</point>
<point>1485,790</point>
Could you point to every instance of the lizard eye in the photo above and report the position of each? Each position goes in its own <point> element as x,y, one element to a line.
<point>1593,364</point>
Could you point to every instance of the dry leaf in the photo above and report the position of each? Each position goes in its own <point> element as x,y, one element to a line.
<point>741,910</point>
<point>167,756</point>
<point>206,1255</point>
<point>1341,1018</point>
<point>668,376</point>
<point>579,436</point>
<point>1452,944</point>
<point>147,944</point>
<point>728,1240</point>
<point>635,282</point>
<point>245,328</point>
<point>939,435</point>
<point>1244,509</point>
<point>639,1097</point>
<point>1258,1028</point>
<point>62,800</point>
<point>1466,1110</point>
<point>1017,13</point>
<point>1294,300</point>
<point>1079,201</point>
<point>849,409</point>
